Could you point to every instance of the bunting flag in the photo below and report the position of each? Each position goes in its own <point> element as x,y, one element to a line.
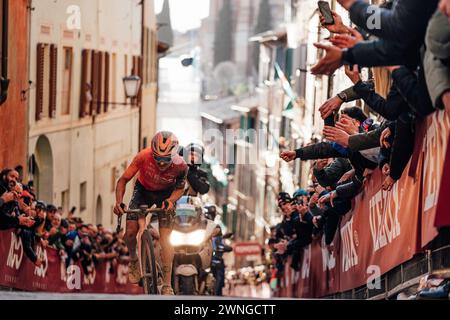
<point>286,86</point>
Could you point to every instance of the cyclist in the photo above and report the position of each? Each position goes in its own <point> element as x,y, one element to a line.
<point>161,181</point>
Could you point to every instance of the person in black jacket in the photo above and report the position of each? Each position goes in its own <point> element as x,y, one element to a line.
<point>297,233</point>
<point>324,150</point>
<point>407,100</point>
<point>197,178</point>
<point>10,216</point>
<point>407,17</point>
<point>328,175</point>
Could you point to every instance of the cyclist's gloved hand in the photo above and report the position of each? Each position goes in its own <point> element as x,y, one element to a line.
<point>119,209</point>
<point>168,206</point>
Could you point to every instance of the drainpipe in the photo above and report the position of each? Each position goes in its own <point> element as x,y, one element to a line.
<point>4,76</point>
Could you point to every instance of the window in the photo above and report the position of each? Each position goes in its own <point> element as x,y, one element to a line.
<point>46,80</point>
<point>67,81</point>
<point>86,86</point>
<point>83,196</point>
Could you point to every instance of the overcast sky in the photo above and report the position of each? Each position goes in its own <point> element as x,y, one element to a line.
<point>185,14</point>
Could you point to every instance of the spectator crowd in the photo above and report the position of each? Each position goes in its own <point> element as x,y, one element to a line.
<point>36,222</point>
<point>406,63</point>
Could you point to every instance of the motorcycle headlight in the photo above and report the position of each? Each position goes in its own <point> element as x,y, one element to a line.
<point>195,238</point>
<point>187,239</point>
<point>176,238</point>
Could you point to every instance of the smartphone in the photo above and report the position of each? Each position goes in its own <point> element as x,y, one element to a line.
<point>325,10</point>
<point>330,120</point>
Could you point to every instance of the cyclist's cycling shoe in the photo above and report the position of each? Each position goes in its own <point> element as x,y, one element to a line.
<point>167,291</point>
<point>134,275</point>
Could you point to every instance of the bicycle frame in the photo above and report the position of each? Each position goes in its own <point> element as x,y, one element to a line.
<point>143,226</point>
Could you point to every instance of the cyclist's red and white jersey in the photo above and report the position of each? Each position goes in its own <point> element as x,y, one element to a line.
<point>150,176</point>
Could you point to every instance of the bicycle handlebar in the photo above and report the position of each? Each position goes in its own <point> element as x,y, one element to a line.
<point>142,210</point>
<point>154,210</point>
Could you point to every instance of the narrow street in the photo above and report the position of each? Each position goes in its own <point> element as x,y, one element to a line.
<point>179,100</point>
<point>255,149</point>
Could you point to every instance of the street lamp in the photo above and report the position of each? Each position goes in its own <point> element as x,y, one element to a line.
<point>132,85</point>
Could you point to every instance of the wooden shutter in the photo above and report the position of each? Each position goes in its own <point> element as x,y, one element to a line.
<point>53,80</point>
<point>84,81</point>
<point>40,80</point>
<point>94,79</point>
<point>106,83</point>
<point>100,58</point>
<point>137,70</point>
<point>140,61</point>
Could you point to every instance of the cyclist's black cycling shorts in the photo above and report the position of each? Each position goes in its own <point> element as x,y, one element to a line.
<point>142,196</point>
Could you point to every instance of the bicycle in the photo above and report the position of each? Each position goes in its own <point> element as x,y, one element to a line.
<point>151,271</point>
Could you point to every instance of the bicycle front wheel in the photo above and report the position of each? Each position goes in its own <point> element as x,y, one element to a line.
<point>148,260</point>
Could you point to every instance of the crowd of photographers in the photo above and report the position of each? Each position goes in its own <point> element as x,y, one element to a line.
<point>36,222</point>
<point>407,59</point>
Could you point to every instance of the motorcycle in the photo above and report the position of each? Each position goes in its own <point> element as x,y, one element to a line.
<point>191,239</point>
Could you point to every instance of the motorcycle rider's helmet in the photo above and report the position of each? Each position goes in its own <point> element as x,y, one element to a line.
<point>164,148</point>
<point>193,154</point>
<point>188,211</point>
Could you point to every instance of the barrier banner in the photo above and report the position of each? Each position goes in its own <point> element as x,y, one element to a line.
<point>319,271</point>
<point>380,233</point>
<point>434,148</point>
<point>385,229</point>
<point>443,207</point>
<point>17,271</point>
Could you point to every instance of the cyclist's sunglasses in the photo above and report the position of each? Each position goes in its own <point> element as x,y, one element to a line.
<point>166,160</point>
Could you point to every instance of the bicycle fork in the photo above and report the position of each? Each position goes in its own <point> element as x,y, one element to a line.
<point>142,227</point>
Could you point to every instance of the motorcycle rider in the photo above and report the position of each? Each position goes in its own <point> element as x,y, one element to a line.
<point>197,178</point>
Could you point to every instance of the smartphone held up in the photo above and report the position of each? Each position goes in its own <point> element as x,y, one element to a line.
<point>325,11</point>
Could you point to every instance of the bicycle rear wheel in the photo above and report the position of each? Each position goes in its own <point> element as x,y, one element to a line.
<point>149,265</point>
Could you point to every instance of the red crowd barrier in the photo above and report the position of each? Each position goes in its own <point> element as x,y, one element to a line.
<point>385,229</point>
<point>17,272</point>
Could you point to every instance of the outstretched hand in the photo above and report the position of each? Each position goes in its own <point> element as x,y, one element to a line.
<point>330,63</point>
<point>347,40</point>
<point>288,156</point>
<point>336,135</point>
<point>330,106</point>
